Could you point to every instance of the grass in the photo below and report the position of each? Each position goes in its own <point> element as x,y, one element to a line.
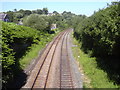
<point>26,59</point>
<point>34,51</point>
<point>94,77</point>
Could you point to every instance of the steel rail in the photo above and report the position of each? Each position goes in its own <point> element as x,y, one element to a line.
<point>65,73</point>
<point>35,72</point>
<point>53,57</point>
<point>43,64</point>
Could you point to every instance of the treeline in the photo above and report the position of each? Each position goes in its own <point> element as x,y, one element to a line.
<point>22,15</point>
<point>43,22</point>
<point>32,18</point>
<point>100,34</point>
<point>16,15</point>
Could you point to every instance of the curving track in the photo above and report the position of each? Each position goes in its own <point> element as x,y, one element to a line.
<point>53,69</point>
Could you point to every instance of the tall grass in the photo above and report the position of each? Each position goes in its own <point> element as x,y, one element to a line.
<point>34,51</point>
<point>97,77</point>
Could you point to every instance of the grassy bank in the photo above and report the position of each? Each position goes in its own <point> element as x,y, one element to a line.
<point>94,77</point>
<point>34,51</point>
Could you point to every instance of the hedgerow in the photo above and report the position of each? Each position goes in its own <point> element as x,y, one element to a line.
<point>16,40</point>
<point>101,32</point>
<point>99,35</point>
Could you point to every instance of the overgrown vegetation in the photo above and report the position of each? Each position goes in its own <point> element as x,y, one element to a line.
<point>15,16</point>
<point>37,21</point>
<point>33,18</point>
<point>35,49</point>
<point>94,76</point>
<point>16,40</point>
<point>21,43</point>
<point>99,35</point>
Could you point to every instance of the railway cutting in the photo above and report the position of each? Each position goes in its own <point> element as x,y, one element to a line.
<point>56,67</point>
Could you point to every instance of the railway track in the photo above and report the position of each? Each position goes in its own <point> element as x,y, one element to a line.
<point>65,70</point>
<point>53,69</point>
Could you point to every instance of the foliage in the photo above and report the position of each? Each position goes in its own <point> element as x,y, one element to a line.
<point>55,12</point>
<point>15,16</point>
<point>40,19</point>
<point>18,40</point>
<point>36,21</point>
<point>11,15</point>
<point>35,50</point>
<point>100,33</point>
<point>15,41</point>
<point>65,20</point>
<point>45,11</point>
<point>43,22</point>
<point>93,75</point>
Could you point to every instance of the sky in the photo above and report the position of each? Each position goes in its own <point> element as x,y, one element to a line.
<point>78,7</point>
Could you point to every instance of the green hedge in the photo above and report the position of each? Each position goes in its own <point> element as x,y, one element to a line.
<point>99,35</point>
<point>101,31</point>
<point>16,40</point>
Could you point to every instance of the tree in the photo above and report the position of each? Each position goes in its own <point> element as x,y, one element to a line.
<point>10,14</point>
<point>39,11</point>
<point>15,10</point>
<point>45,11</point>
<point>34,11</point>
<point>55,12</point>
<point>27,12</point>
<point>36,21</point>
<point>18,15</point>
<point>21,11</point>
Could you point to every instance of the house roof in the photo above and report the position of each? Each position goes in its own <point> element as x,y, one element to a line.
<point>50,14</point>
<point>2,16</point>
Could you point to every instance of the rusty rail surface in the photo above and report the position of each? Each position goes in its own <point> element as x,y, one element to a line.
<point>65,70</point>
<point>53,68</point>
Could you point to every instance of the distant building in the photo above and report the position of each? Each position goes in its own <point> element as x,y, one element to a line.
<point>53,26</point>
<point>50,14</point>
<point>4,17</point>
<point>20,22</point>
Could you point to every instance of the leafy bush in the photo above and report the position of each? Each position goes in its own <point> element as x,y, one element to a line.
<point>36,21</point>
<point>15,41</point>
<point>101,32</point>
